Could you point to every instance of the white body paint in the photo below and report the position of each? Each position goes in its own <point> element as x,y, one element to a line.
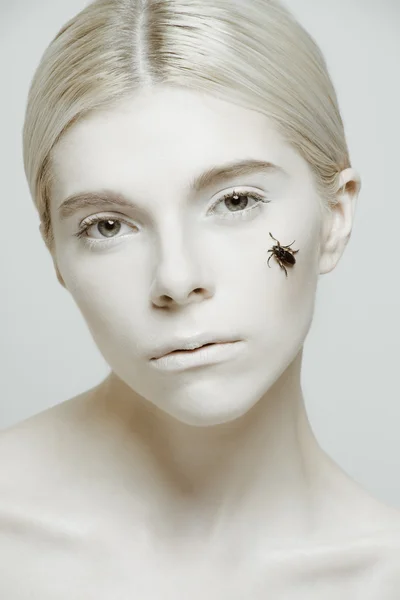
<point>193,481</point>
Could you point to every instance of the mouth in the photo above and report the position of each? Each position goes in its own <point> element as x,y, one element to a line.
<point>194,349</point>
<point>193,345</point>
<point>200,357</point>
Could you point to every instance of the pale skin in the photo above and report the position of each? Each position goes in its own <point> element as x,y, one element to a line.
<point>201,483</point>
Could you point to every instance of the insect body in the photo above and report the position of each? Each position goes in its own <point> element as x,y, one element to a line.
<point>283,254</point>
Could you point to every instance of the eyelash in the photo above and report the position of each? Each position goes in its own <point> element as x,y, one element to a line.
<point>242,214</point>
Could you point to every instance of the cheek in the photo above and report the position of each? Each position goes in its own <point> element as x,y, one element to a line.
<point>101,291</point>
<point>282,307</point>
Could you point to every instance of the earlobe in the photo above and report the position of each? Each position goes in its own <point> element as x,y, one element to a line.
<point>338,223</point>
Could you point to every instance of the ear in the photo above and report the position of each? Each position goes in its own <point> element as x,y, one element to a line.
<point>337,224</point>
<point>60,279</point>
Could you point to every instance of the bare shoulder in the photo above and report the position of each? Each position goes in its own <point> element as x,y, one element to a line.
<point>37,460</point>
<point>375,555</point>
<point>42,518</point>
<point>379,546</point>
<point>30,444</point>
<point>383,577</point>
<point>43,434</point>
<point>359,565</point>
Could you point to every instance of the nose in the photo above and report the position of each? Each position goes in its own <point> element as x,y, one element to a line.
<point>181,276</point>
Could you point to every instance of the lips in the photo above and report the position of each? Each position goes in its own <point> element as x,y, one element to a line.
<point>191,343</point>
<point>194,349</point>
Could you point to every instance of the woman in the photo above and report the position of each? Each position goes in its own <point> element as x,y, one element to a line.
<point>189,165</point>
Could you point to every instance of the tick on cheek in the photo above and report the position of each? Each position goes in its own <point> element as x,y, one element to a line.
<point>284,255</point>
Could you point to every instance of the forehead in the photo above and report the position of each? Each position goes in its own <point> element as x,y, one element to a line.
<point>162,137</point>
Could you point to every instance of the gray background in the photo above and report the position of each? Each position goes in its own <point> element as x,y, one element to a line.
<point>351,361</point>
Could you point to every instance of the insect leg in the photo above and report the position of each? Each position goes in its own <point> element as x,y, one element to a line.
<point>273,237</point>
<point>282,266</point>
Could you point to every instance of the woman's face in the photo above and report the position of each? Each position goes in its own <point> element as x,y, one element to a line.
<point>177,261</point>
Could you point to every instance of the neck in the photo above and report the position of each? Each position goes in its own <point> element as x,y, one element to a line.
<point>264,470</point>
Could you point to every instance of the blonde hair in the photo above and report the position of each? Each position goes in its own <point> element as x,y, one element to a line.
<point>253,53</point>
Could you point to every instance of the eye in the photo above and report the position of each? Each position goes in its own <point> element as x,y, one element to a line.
<point>108,227</point>
<point>237,201</point>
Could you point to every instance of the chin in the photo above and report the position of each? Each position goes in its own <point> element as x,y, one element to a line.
<point>214,399</point>
<point>204,415</point>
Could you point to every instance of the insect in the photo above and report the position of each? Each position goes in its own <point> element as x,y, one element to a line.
<point>283,254</point>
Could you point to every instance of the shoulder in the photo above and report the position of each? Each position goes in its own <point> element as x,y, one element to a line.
<point>39,439</point>
<point>381,543</point>
<point>373,557</point>
<point>38,458</point>
<point>383,576</point>
<point>362,565</point>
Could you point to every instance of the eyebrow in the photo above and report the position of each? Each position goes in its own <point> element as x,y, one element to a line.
<point>211,177</point>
